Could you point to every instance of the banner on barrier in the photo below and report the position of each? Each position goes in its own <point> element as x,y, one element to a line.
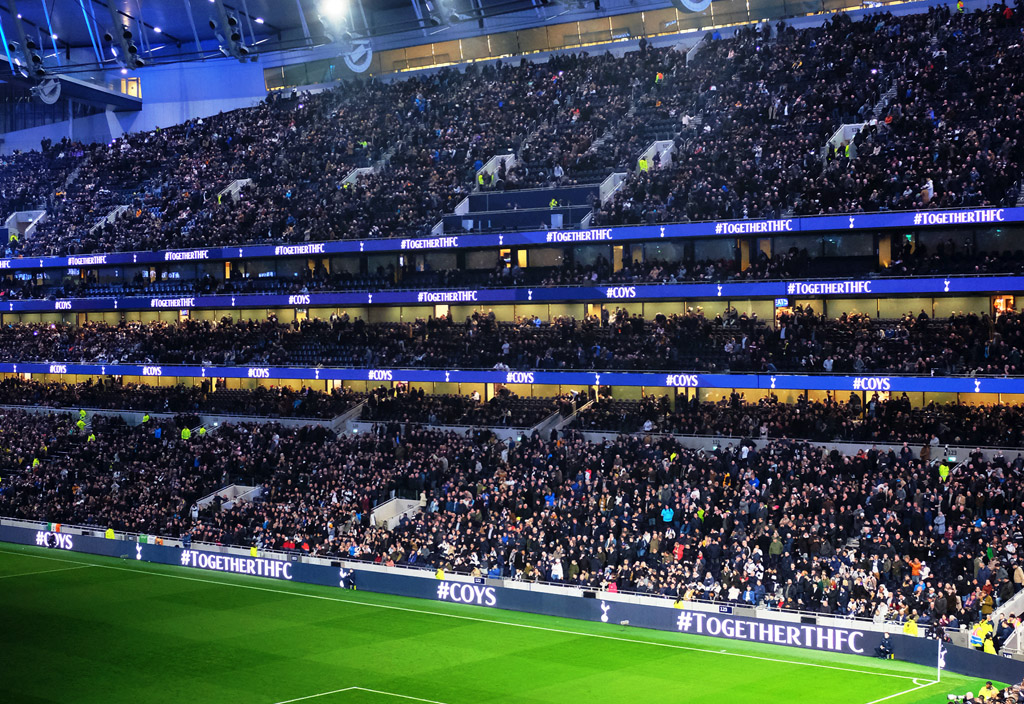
<point>258,567</point>
<point>838,640</point>
<point>826,223</point>
<point>665,618</point>
<point>638,292</point>
<point>770,382</point>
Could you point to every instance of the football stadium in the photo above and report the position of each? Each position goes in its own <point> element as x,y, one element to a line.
<point>458,351</point>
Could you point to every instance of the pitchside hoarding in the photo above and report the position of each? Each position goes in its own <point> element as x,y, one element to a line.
<point>852,640</point>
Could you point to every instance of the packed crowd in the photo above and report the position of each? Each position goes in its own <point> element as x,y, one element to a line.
<point>886,534</point>
<point>949,138</point>
<point>170,181</point>
<point>505,409</point>
<point>747,144</point>
<point>882,421</point>
<point>857,343</point>
<point>879,535</point>
<point>425,137</point>
<point>758,147</point>
<point>162,178</point>
<point>755,137</point>
<point>276,401</point>
<point>25,179</point>
<point>143,478</point>
<point>894,420</point>
<point>801,341</point>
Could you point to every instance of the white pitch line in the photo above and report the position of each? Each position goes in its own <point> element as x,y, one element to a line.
<point>905,691</point>
<point>361,689</point>
<point>401,696</point>
<point>59,569</point>
<point>314,696</point>
<point>461,617</point>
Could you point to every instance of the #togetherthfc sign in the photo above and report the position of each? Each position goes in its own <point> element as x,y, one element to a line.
<point>449,241</point>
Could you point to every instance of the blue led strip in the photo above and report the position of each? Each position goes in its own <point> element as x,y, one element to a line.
<point>784,293</point>
<point>88,28</point>
<point>609,235</point>
<point>801,382</point>
<point>49,25</point>
<point>7,50</point>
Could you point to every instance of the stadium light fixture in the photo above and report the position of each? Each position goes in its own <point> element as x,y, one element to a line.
<point>228,31</point>
<point>31,64</point>
<point>334,9</point>
<point>120,37</point>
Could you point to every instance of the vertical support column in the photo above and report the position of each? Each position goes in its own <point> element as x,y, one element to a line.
<point>195,34</point>
<point>302,20</point>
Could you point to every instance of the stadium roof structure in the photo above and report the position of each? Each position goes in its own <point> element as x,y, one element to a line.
<point>167,31</point>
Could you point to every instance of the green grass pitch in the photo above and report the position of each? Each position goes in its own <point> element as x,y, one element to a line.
<point>82,628</point>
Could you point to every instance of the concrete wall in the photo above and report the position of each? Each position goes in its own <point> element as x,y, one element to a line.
<point>697,442</point>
